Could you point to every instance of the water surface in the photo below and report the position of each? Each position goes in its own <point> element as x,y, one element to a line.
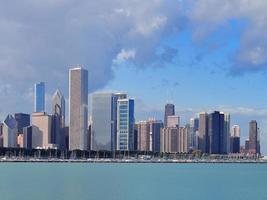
<point>42,181</point>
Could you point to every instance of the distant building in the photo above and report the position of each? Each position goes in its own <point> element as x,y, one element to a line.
<point>58,120</point>
<point>143,129</point>
<point>254,140</point>
<point>104,127</point>
<point>39,97</point>
<point>193,134</point>
<point>203,133</point>
<point>27,137</point>
<point>125,124</point>
<point>20,141</point>
<point>183,139</point>
<point>247,146</point>
<point>169,111</point>
<point>78,109</point>
<point>218,136</point>
<point>169,140</point>
<point>235,139</point>
<point>41,130</point>
<point>10,130</point>
<point>173,121</point>
<point>155,127</point>
<point>23,120</point>
<point>1,134</point>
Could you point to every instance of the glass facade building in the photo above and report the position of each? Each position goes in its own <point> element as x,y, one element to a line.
<point>23,120</point>
<point>104,125</point>
<point>39,97</point>
<point>125,124</point>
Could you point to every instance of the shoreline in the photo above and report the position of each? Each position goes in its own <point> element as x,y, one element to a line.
<point>133,161</point>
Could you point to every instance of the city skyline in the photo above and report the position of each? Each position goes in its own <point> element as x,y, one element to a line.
<point>158,52</point>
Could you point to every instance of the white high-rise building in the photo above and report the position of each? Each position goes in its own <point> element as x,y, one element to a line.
<point>125,124</point>
<point>78,109</point>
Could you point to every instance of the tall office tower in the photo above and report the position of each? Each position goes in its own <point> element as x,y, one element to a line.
<point>254,141</point>
<point>217,133</point>
<point>183,139</point>
<point>169,141</point>
<point>173,121</point>
<point>41,130</point>
<point>27,137</point>
<point>58,120</point>
<point>135,137</point>
<point>235,139</point>
<point>155,127</point>
<point>104,121</point>
<point>193,134</point>
<point>10,132</point>
<point>169,111</point>
<point>143,129</point>
<point>203,138</point>
<point>78,109</point>
<point>39,97</point>
<point>247,145</point>
<point>23,120</point>
<point>226,134</point>
<point>125,124</point>
<point>1,134</point>
<point>58,106</point>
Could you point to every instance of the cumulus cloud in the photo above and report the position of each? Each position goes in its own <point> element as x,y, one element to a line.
<point>40,40</point>
<point>208,16</point>
<point>124,55</point>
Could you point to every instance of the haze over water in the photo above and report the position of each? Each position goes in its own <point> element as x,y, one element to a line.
<point>132,181</point>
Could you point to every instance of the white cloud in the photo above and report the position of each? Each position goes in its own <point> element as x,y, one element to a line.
<point>124,55</point>
<point>209,15</point>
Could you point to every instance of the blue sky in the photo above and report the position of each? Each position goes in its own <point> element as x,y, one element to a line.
<point>202,55</point>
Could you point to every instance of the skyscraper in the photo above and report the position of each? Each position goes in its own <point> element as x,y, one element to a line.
<point>39,97</point>
<point>125,124</point>
<point>235,139</point>
<point>217,133</point>
<point>193,134</point>
<point>27,137</point>
<point>169,139</point>
<point>169,111</point>
<point>78,108</point>
<point>104,121</point>
<point>203,139</point>
<point>1,134</point>
<point>58,106</point>
<point>226,133</point>
<point>10,132</point>
<point>143,129</point>
<point>58,120</point>
<point>41,130</point>
<point>155,128</point>
<point>23,120</point>
<point>173,121</point>
<point>183,139</point>
<point>254,141</point>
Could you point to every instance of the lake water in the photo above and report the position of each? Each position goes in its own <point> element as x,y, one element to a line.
<point>56,181</point>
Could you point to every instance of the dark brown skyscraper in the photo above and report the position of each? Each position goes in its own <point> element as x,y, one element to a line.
<point>169,111</point>
<point>254,144</point>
